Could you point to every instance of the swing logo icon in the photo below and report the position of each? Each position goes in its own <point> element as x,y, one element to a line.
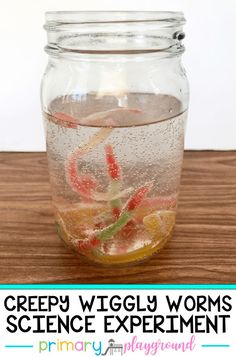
<point>113,348</point>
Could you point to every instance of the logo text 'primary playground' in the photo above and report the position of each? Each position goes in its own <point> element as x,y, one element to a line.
<point>98,348</point>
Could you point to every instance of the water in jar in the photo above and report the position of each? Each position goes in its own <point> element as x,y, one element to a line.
<point>115,170</point>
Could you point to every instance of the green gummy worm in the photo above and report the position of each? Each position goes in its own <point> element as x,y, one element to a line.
<point>114,228</point>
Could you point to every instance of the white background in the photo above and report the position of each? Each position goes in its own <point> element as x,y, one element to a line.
<point>20,338</point>
<point>210,60</point>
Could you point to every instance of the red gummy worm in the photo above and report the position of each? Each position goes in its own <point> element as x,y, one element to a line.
<point>137,197</point>
<point>112,164</point>
<point>66,120</point>
<point>116,212</point>
<point>84,184</point>
<point>129,228</point>
<point>87,244</point>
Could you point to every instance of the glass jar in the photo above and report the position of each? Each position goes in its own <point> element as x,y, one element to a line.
<point>114,99</point>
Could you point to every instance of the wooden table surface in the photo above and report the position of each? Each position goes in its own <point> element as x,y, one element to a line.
<point>202,250</point>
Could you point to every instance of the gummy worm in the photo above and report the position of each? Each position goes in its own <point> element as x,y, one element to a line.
<point>126,215</point>
<point>85,185</point>
<point>114,173</point>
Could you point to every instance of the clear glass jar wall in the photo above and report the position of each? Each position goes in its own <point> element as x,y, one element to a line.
<point>115,99</point>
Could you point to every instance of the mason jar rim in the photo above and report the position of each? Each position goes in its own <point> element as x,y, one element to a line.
<point>114,32</point>
<point>87,17</point>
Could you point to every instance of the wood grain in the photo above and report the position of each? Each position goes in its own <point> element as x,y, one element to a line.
<point>203,249</point>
